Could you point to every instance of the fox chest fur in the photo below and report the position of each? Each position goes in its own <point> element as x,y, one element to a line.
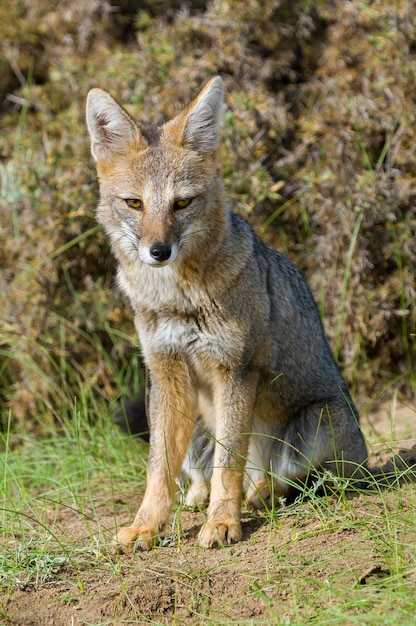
<point>175,318</point>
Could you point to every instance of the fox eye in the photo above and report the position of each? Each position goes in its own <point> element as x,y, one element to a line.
<point>134,203</point>
<point>182,203</point>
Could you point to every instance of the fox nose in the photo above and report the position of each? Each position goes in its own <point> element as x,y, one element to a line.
<point>160,251</point>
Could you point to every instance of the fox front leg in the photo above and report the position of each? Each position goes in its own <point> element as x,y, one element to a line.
<point>172,407</point>
<point>234,399</point>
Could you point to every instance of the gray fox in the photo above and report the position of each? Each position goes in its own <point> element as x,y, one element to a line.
<point>245,395</point>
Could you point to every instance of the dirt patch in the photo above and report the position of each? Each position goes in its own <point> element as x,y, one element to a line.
<point>313,553</point>
<point>182,584</point>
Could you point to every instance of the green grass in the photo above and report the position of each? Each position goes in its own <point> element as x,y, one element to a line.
<point>321,560</point>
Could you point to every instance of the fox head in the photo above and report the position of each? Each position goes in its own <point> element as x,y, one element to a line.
<point>158,199</point>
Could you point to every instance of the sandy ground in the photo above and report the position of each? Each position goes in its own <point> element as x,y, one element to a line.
<point>253,580</point>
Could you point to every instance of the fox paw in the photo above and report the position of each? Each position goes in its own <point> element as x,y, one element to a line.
<point>197,495</point>
<point>130,537</point>
<point>258,494</point>
<point>219,533</point>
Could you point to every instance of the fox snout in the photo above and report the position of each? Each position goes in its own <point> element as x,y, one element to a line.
<point>158,238</point>
<point>158,254</point>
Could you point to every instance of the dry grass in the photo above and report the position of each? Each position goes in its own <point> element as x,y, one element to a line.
<point>318,149</point>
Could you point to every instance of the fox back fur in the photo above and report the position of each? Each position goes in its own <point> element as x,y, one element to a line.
<point>245,395</point>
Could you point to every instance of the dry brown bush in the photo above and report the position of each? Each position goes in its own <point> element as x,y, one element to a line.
<point>318,148</point>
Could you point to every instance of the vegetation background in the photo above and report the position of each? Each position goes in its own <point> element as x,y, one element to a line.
<point>318,152</point>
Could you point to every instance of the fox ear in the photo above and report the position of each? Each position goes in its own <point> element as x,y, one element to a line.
<point>197,127</point>
<point>111,128</point>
